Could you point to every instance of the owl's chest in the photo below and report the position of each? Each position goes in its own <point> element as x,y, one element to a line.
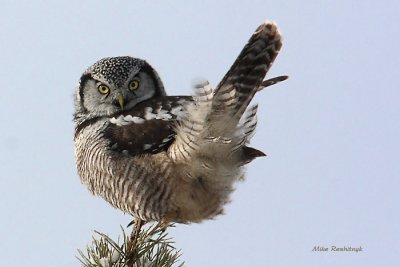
<point>91,150</point>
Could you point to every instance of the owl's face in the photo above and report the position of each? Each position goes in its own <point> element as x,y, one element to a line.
<point>112,85</point>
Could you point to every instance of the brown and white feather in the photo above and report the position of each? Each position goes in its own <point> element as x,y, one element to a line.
<point>174,158</point>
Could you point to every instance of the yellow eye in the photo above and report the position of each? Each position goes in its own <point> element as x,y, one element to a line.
<point>133,85</point>
<point>103,89</point>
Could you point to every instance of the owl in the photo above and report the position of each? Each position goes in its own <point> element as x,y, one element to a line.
<point>169,158</point>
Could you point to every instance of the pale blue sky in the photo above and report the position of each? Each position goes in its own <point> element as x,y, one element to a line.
<point>331,132</point>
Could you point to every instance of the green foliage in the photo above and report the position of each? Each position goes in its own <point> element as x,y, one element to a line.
<point>152,248</point>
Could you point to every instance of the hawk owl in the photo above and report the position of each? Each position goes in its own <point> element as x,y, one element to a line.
<point>169,158</point>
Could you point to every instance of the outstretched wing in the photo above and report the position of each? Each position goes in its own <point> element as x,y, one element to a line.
<point>246,75</point>
<point>212,126</point>
<point>148,128</point>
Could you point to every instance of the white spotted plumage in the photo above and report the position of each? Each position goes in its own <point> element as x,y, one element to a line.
<point>169,158</point>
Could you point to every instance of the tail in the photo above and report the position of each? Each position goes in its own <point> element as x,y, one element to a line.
<point>210,145</point>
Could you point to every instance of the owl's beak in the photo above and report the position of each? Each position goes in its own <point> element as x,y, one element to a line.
<point>121,101</point>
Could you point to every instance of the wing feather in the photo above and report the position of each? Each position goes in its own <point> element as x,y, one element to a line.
<point>148,128</point>
<point>212,124</point>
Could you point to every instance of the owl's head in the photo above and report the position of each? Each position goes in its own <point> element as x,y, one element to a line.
<point>114,84</point>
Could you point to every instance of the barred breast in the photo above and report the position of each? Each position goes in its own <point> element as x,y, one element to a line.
<point>121,179</point>
<point>149,186</point>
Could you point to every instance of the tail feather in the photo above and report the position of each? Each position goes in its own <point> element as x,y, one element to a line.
<point>250,153</point>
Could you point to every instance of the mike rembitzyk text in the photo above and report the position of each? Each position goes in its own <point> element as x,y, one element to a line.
<point>337,249</point>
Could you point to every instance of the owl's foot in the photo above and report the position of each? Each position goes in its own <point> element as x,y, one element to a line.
<point>131,249</point>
